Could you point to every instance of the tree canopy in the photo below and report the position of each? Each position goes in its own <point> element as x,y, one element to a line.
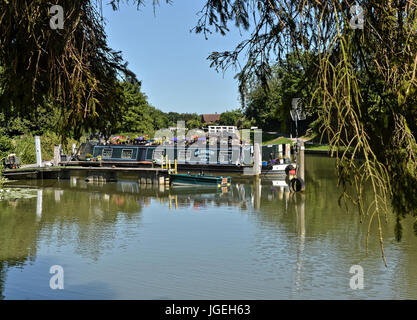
<point>72,67</point>
<point>230,118</point>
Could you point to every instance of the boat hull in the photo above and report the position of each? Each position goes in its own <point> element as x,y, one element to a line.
<point>199,180</point>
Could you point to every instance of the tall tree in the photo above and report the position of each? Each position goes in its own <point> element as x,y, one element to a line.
<point>290,79</point>
<point>136,115</point>
<point>230,118</point>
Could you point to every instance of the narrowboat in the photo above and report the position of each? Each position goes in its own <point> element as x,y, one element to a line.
<point>194,158</point>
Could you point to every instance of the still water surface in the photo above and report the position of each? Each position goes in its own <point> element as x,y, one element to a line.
<point>250,241</point>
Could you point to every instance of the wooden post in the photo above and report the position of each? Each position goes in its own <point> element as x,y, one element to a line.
<point>57,155</point>
<point>288,151</point>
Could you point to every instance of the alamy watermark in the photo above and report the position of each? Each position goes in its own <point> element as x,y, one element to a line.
<point>57,280</point>
<point>356,281</point>
<point>57,19</point>
<point>357,20</point>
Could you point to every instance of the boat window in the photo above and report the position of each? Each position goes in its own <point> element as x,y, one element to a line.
<point>107,153</point>
<point>149,154</point>
<point>127,153</point>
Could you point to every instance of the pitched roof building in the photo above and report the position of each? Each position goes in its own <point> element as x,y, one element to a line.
<point>211,118</point>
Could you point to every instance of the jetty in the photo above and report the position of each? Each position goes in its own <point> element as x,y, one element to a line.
<point>105,174</point>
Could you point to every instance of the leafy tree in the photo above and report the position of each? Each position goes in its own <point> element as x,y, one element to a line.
<point>136,115</point>
<point>160,119</point>
<point>72,67</point>
<point>5,146</point>
<point>194,123</point>
<point>230,118</point>
<point>270,106</point>
<point>174,117</point>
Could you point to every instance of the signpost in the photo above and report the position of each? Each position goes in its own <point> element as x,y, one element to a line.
<point>297,112</point>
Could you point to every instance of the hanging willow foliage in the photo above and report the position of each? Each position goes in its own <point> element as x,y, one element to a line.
<point>72,67</point>
<point>366,97</point>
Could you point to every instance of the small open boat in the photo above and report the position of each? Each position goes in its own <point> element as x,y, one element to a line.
<point>199,179</point>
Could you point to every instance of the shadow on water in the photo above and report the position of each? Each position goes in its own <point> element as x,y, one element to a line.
<point>307,235</point>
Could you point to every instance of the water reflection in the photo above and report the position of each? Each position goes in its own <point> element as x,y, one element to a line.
<point>281,242</point>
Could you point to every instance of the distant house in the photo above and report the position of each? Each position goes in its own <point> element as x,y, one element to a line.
<point>211,118</point>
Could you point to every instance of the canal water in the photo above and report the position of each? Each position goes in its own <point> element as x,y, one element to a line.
<point>249,241</point>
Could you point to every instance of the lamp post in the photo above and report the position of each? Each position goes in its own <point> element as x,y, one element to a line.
<point>297,113</point>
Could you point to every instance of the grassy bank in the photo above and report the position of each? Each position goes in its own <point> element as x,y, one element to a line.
<point>272,138</point>
<point>24,147</point>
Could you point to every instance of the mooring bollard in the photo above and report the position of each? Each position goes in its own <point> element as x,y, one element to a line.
<point>57,155</point>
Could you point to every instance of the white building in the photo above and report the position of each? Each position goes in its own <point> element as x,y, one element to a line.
<point>216,129</point>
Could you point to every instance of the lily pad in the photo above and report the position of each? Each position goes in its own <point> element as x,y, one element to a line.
<point>16,193</point>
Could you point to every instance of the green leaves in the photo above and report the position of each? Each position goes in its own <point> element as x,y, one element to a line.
<point>73,68</point>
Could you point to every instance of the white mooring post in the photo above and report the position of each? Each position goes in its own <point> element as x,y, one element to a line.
<point>38,151</point>
<point>257,159</point>
<point>300,163</point>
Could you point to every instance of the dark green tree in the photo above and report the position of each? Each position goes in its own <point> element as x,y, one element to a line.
<point>136,115</point>
<point>230,118</point>
<point>269,106</point>
<point>73,67</point>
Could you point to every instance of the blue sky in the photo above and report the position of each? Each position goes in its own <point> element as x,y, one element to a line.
<point>169,60</point>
